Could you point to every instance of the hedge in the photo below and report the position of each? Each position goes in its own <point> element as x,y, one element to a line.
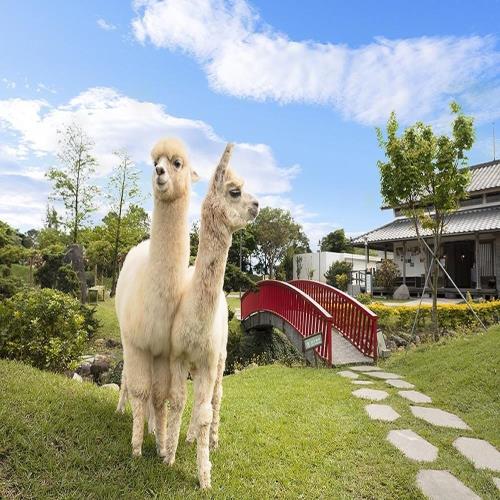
<point>451,317</point>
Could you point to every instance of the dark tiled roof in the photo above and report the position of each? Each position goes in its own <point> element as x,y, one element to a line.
<point>485,176</point>
<point>465,221</point>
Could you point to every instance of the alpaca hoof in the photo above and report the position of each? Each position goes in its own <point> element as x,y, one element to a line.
<point>169,460</point>
<point>137,452</point>
<point>214,443</point>
<point>190,438</point>
<point>205,482</point>
<point>162,452</point>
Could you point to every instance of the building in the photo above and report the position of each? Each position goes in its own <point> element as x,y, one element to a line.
<point>314,265</point>
<point>470,250</point>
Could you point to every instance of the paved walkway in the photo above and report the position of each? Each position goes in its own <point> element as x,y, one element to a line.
<point>434,484</point>
<point>344,353</point>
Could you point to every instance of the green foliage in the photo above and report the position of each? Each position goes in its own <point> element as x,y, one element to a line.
<point>45,328</point>
<point>67,281</point>
<point>277,236</point>
<point>53,273</point>
<point>11,252</point>
<point>234,279</point>
<point>386,274</point>
<point>194,239</point>
<point>338,274</point>
<point>49,237</point>
<point>336,241</point>
<point>453,318</point>
<point>244,241</point>
<point>364,298</point>
<point>70,182</point>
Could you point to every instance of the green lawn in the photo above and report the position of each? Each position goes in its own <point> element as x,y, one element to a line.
<point>105,313</point>
<point>285,433</point>
<point>233,302</point>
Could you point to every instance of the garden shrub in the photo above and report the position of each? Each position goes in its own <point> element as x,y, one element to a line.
<point>386,274</point>
<point>55,274</point>
<point>338,274</point>
<point>45,328</point>
<point>364,298</point>
<point>452,317</point>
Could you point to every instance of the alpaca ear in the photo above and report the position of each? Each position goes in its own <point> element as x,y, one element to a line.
<point>194,176</point>
<point>220,171</point>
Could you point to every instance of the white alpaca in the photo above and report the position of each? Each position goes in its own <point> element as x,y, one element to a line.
<point>199,332</point>
<point>149,290</point>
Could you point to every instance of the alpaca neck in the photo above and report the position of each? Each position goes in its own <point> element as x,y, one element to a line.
<point>169,244</point>
<point>208,279</point>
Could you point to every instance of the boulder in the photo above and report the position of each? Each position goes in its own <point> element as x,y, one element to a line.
<point>110,343</point>
<point>77,377</point>
<point>84,369</point>
<point>74,256</point>
<point>98,367</point>
<point>113,387</point>
<point>401,293</point>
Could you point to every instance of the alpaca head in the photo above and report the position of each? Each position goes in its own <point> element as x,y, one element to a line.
<point>172,172</point>
<point>226,199</point>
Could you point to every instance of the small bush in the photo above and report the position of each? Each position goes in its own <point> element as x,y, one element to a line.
<point>386,274</point>
<point>338,274</point>
<point>45,328</point>
<point>451,317</point>
<point>364,298</point>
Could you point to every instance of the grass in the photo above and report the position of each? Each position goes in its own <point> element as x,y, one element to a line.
<point>233,303</point>
<point>285,433</point>
<point>105,313</point>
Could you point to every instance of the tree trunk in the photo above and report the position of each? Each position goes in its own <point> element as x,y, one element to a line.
<point>435,277</point>
<point>117,238</point>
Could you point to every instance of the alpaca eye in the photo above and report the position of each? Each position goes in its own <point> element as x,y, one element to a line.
<point>177,163</point>
<point>155,163</point>
<point>235,193</point>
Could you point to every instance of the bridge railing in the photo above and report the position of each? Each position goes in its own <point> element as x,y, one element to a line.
<point>295,307</point>
<point>351,318</point>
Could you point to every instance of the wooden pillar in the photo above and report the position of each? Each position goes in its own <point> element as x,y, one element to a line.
<point>385,253</point>
<point>404,262</point>
<point>478,262</point>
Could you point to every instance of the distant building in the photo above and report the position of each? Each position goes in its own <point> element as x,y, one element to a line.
<point>314,265</point>
<point>470,248</point>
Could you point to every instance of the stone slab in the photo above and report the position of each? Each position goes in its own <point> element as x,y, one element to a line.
<point>366,368</point>
<point>383,375</point>
<point>400,384</point>
<point>481,453</point>
<point>362,382</point>
<point>348,374</point>
<point>382,412</point>
<point>442,485</point>
<point>496,480</point>
<point>438,417</point>
<point>372,394</point>
<point>415,396</point>
<point>412,445</point>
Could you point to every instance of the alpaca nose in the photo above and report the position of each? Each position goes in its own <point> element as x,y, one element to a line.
<point>255,204</point>
<point>160,170</point>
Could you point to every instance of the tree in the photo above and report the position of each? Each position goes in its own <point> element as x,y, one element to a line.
<point>338,274</point>
<point>424,175</point>
<point>386,274</point>
<point>242,249</point>
<point>194,240</point>
<point>71,181</point>
<point>123,188</point>
<point>99,254</point>
<point>234,279</point>
<point>275,233</point>
<point>336,241</point>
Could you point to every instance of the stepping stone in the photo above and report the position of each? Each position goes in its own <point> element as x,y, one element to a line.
<point>372,394</point>
<point>438,417</point>
<point>496,480</point>
<point>442,485</point>
<point>481,453</point>
<point>382,375</point>
<point>382,412</point>
<point>366,368</point>
<point>362,382</point>
<point>400,384</point>
<point>415,396</point>
<point>348,374</point>
<point>412,445</point>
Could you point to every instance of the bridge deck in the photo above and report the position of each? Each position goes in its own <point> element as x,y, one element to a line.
<point>344,353</point>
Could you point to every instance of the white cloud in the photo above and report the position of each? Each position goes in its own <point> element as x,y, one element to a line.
<point>103,24</point>
<point>243,57</point>
<point>9,83</point>
<point>115,121</point>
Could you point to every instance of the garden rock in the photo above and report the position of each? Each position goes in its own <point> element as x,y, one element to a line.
<point>382,412</point>
<point>98,367</point>
<point>77,377</point>
<point>481,453</point>
<point>400,384</point>
<point>114,387</point>
<point>383,375</point>
<point>74,256</point>
<point>84,369</point>
<point>365,368</point>
<point>348,374</point>
<point>110,343</point>
<point>442,485</point>
<point>415,396</point>
<point>372,394</point>
<point>400,341</point>
<point>362,382</point>
<point>412,445</point>
<point>401,293</point>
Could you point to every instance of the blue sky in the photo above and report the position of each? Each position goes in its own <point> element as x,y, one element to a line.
<point>299,86</point>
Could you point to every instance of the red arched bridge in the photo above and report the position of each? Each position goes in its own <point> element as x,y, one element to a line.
<point>342,329</point>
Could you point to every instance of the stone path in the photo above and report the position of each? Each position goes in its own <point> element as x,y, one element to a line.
<point>434,484</point>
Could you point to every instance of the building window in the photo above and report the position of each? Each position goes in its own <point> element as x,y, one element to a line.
<point>473,200</point>
<point>492,197</point>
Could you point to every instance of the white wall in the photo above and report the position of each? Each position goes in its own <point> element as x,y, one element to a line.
<point>315,265</point>
<point>415,261</point>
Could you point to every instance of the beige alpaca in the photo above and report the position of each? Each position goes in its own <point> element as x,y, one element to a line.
<point>199,332</point>
<point>149,290</point>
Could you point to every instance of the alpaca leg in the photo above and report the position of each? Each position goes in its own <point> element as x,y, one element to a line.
<point>191,433</point>
<point>161,375</point>
<point>138,386</point>
<point>203,392</point>
<point>122,401</point>
<point>177,401</point>
<point>216,402</point>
